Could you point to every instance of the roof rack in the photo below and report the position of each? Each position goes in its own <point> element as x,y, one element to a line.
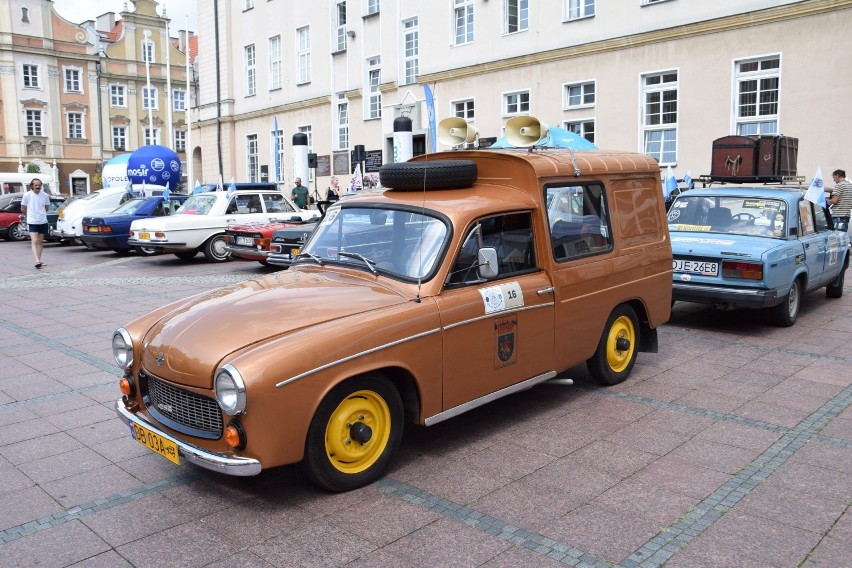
<point>707,180</point>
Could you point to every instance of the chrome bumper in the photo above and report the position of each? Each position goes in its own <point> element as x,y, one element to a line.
<point>202,458</point>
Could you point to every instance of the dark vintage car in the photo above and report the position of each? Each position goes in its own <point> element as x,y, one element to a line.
<point>11,227</point>
<point>112,230</point>
<point>287,243</point>
<point>253,241</point>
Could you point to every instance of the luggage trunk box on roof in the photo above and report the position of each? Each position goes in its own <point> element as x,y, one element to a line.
<point>754,158</point>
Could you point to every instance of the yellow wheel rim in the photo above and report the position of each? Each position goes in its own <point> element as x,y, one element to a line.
<point>618,359</point>
<point>344,451</point>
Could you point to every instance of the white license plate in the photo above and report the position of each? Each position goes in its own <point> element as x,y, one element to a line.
<point>247,241</point>
<point>696,267</point>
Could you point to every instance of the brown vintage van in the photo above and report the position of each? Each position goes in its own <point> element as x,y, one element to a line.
<point>473,275</point>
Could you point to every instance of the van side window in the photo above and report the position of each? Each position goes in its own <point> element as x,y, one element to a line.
<point>510,235</point>
<point>578,219</point>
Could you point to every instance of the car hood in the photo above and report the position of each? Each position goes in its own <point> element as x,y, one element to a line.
<point>262,228</point>
<point>186,345</point>
<point>686,243</point>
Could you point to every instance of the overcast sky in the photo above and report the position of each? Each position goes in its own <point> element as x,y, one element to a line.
<point>78,11</point>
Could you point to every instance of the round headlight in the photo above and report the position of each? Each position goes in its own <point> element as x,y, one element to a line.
<point>230,390</point>
<point>122,348</point>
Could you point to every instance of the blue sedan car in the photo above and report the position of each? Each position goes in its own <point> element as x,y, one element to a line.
<point>754,247</point>
<point>112,231</point>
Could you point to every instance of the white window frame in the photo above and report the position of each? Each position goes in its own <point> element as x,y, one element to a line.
<point>75,125</point>
<point>579,126</point>
<point>179,137</point>
<point>464,108</point>
<point>463,22</point>
<point>148,54</point>
<point>373,100</point>
<point>303,54</point>
<point>757,123</point>
<point>410,51</point>
<point>252,158</point>
<point>587,90</point>
<point>152,135</point>
<point>150,95</point>
<point>516,99</point>
<point>119,137</point>
<point>308,131</point>
<point>72,79</point>
<point>248,5</point>
<point>179,100</point>
<point>340,25</point>
<point>276,78</point>
<point>30,74</point>
<point>117,95</point>
<point>250,63</point>
<point>371,7</point>
<point>521,15</point>
<point>341,120</point>
<point>34,124</point>
<point>666,130</point>
<point>579,9</point>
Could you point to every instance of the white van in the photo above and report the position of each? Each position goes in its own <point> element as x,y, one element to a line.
<point>70,223</point>
<point>20,183</point>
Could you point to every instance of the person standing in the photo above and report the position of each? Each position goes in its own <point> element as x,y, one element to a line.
<point>35,205</point>
<point>840,199</point>
<point>300,194</point>
<point>333,193</point>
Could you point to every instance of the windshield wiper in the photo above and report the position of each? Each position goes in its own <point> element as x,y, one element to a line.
<point>313,257</point>
<point>359,256</point>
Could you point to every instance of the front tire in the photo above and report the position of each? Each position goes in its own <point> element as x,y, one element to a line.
<point>616,353</point>
<point>214,249</point>
<point>17,232</point>
<point>785,313</point>
<point>354,434</point>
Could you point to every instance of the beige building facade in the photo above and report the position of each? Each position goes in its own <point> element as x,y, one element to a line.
<point>662,77</point>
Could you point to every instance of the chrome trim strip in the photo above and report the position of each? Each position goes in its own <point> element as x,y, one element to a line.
<point>470,405</point>
<point>217,462</point>
<point>497,314</point>
<point>355,356</point>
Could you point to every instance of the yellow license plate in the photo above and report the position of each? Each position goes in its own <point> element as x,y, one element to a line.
<point>92,229</point>
<point>155,443</point>
<point>294,253</point>
<point>145,236</point>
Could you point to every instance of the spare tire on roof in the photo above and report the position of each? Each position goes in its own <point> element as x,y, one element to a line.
<point>439,174</point>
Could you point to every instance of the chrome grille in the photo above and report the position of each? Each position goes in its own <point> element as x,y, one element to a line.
<point>184,407</point>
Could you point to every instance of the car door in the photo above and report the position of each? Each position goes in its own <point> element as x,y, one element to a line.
<point>497,332</point>
<point>246,207</point>
<point>814,244</point>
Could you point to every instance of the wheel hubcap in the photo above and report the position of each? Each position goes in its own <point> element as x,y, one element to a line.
<point>620,342</point>
<point>358,432</point>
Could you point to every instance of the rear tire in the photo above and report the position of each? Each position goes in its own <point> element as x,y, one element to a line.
<point>786,313</point>
<point>214,249</point>
<point>616,353</point>
<point>17,232</point>
<point>835,288</point>
<point>147,251</point>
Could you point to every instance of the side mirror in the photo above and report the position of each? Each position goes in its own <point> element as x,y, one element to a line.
<point>487,261</point>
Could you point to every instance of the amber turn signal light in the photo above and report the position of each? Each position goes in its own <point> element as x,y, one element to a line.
<point>234,436</point>
<point>126,386</point>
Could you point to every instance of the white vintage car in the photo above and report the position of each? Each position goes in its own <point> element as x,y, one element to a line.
<point>70,223</point>
<point>199,225</point>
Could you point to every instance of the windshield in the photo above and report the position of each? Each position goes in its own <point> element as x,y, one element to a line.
<point>197,205</point>
<point>129,207</point>
<point>730,215</point>
<point>400,242</point>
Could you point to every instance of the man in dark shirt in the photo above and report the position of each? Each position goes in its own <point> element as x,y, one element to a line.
<point>300,194</point>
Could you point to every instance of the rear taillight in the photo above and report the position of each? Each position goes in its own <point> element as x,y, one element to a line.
<point>742,270</point>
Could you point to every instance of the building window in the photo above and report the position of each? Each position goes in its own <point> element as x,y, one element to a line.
<point>584,128</point>
<point>464,109</point>
<point>579,95</point>
<point>152,136</point>
<point>275,77</point>
<point>757,85</point>
<point>30,73</point>
<point>372,7</point>
<point>277,175</point>
<point>516,103</point>
<point>149,98</point>
<point>659,116</point>
<point>463,16</point>
<point>147,51</point>
<point>517,16</point>
<point>180,140</point>
<point>252,161</point>
<point>75,125</point>
<point>374,98</point>
<point>308,131</point>
<point>341,25</point>
<point>178,100</point>
<point>34,123</point>
<point>303,49</point>
<point>580,9</point>
<point>117,96</point>
<point>119,137</point>
<point>72,80</point>
<point>251,71</point>
<point>248,4</point>
<point>411,47</point>
<point>342,125</point>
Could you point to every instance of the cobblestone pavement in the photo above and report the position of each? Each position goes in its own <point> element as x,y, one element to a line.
<point>732,446</point>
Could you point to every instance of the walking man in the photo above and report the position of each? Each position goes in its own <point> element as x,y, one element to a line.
<point>35,205</point>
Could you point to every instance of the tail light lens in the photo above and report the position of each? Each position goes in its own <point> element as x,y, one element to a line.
<point>742,270</point>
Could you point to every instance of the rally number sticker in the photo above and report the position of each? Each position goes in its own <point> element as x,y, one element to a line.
<point>502,297</point>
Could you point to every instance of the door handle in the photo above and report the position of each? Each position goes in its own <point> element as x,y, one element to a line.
<point>549,290</point>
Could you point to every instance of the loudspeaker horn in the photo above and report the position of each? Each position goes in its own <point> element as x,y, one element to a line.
<point>525,131</point>
<point>455,131</point>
